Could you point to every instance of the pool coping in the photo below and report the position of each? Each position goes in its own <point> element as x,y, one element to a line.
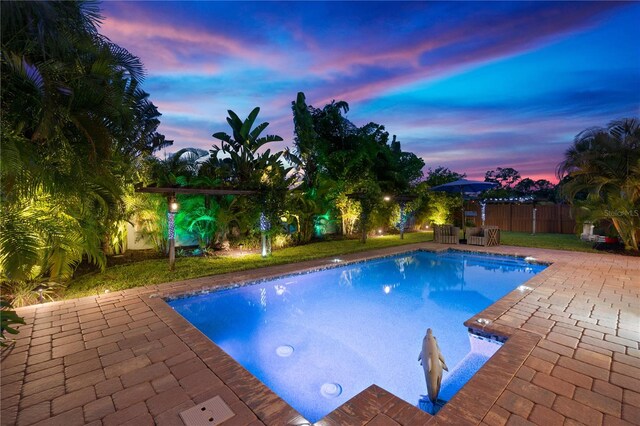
<point>121,358</point>
<point>468,406</point>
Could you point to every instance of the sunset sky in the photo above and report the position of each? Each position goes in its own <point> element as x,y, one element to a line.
<point>469,86</point>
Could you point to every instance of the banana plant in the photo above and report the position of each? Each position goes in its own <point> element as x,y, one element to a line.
<point>245,166</point>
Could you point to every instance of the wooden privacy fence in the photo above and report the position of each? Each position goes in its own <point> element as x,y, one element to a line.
<point>550,218</point>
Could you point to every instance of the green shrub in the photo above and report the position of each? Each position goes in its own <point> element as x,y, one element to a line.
<point>8,318</point>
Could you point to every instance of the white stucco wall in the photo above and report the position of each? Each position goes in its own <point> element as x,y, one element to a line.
<point>133,234</point>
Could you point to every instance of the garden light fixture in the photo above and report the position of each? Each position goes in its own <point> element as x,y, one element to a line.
<point>40,289</point>
<point>173,204</point>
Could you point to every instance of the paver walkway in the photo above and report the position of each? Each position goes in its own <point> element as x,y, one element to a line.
<point>572,357</point>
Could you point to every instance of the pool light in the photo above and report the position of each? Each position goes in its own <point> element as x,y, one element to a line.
<point>330,390</point>
<point>387,289</point>
<point>284,351</point>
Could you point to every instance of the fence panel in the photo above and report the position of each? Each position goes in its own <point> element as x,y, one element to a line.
<point>550,218</point>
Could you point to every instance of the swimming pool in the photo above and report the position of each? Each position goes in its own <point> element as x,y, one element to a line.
<point>317,339</point>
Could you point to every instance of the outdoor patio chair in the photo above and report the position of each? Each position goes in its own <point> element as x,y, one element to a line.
<point>446,234</point>
<point>474,236</point>
<point>486,236</point>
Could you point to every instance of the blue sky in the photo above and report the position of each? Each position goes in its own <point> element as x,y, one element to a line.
<point>467,85</point>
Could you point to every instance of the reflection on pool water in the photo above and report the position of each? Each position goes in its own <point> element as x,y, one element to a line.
<point>318,339</point>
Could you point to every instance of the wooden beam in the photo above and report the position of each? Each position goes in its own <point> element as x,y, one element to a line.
<point>403,198</point>
<point>201,191</point>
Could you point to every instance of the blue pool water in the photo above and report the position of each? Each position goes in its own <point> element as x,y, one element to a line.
<point>320,338</point>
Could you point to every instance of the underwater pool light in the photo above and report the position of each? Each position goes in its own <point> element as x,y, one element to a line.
<point>284,351</point>
<point>330,390</point>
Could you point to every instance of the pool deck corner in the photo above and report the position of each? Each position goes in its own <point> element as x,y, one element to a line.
<point>572,356</point>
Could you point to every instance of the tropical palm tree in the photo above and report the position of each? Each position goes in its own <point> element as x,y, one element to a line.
<point>74,122</point>
<point>42,236</point>
<point>246,168</point>
<point>176,169</point>
<point>604,164</point>
<point>304,209</point>
<point>307,143</point>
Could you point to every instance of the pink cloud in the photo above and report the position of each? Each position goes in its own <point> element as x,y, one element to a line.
<point>168,48</point>
<point>509,37</point>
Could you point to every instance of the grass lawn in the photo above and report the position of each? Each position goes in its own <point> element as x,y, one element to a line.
<point>549,241</point>
<point>156,271</point>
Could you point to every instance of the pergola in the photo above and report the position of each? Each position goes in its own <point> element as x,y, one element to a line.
<point>511,200</point>
<point>172,204</point>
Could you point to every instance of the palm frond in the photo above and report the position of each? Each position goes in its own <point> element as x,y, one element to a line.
<point>20,242</point>
<point>124,60</point>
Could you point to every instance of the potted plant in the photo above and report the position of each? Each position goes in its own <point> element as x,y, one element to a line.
<point>612,235</point>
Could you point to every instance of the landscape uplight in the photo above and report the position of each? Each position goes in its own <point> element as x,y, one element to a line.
<point>387,198</point>
<point>40,289</point>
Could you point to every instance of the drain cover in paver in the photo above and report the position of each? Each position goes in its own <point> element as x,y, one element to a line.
<point>209,413</point>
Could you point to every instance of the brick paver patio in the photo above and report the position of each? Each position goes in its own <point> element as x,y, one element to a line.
<point>572,357</point>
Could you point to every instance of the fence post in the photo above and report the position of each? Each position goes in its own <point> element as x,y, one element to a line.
<point>559,213</point>
<point>510,217</point>
<point>533,212</point>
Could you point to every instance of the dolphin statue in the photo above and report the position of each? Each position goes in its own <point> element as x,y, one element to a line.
<point>432,363</point>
